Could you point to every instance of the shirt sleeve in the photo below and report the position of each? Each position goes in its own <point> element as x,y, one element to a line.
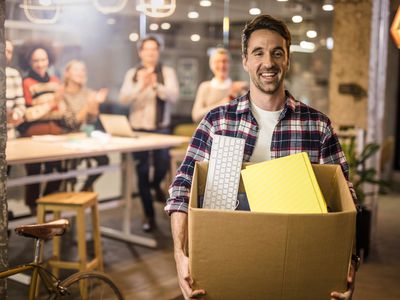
<point>332,153</point>
<point>199,108</point>
<point>169,91</point>
<point>198,150</point>
<point>130,90</point>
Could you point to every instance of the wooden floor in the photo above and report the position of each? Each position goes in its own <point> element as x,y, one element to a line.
<point>143,273</point>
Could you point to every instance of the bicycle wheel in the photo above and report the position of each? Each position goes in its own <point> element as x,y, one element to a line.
<point>90,286</point>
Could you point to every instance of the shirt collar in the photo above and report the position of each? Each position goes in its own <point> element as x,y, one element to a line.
<point>244,103</point>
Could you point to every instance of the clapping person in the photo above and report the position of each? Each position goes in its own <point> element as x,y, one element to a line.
<point>220,89</point>
<point>14,94</point>
<point>45,112</point>
<point>84,104</point>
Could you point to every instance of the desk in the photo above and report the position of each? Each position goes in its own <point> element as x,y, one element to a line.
<point>42,149</point>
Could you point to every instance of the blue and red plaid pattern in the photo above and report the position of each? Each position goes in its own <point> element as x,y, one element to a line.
<point>300,129</point>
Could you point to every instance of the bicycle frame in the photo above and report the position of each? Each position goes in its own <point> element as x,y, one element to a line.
<point>38,273</point>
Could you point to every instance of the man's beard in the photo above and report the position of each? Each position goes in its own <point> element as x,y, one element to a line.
<point>271,87</point>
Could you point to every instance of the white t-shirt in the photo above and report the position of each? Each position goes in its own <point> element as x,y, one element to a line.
<point>267,121</point>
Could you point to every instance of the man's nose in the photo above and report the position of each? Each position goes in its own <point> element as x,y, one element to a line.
<point>268,60</point>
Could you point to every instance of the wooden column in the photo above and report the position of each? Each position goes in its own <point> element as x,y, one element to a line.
<point>350,61</point>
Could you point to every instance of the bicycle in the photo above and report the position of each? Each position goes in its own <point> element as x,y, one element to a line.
<point>87,285</point>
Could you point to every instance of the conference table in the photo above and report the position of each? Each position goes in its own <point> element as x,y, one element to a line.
<point>74,146</point>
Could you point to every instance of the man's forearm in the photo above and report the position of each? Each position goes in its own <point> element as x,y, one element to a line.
<point>179,228</point>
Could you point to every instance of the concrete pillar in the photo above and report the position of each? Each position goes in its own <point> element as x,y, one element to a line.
<point>350,61</point>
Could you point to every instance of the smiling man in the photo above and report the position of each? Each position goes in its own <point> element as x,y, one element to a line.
<point>273,123</point>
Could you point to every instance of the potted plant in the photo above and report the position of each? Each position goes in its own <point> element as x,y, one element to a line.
<point>359,174</point>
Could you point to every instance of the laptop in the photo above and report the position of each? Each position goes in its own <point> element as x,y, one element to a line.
<point>117,125</point>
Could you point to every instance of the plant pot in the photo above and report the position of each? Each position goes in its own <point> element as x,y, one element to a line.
<point>363,232</point>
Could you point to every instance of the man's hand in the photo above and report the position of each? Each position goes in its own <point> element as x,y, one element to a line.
<point>185,281</point>
<point>347,295</point>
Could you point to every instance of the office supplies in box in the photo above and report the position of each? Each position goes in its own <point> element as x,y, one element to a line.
<point>223,174</point>
<point>280,256</point>
<point>284,185</point>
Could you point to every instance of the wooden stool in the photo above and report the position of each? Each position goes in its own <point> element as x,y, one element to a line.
<point>78,202</point>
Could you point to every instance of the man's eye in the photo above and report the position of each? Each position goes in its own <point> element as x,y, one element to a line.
<point>278,54</point>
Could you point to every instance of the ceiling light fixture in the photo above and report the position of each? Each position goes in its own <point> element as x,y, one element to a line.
<point>192,14</point>
<point>282,0</point>
<point>298,48</point>
<point>205,3</point>
<point>254,9</point>
<point>195,37</point>
<point>134,37</point>
<point>153,26</point>
<point>311,34</point>
<point>165,26</point>
<point>42,12</point>
<point>297,19</point>
<point>307,45</point>
<point>327,5</point>
<point>106,8</point>
<point>329,43</point>
<point>157,8</point>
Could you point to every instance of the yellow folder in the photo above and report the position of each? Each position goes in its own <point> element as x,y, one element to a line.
<point>283,185</point>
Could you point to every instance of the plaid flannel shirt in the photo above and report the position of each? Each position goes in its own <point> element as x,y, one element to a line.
<point>300,129</point>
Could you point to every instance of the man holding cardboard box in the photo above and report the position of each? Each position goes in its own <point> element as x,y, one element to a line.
<point>271,121</point>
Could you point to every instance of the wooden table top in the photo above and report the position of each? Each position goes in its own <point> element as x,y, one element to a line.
<point>59,147</point>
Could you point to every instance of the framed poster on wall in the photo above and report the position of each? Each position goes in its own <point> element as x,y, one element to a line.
<point>187,72</point>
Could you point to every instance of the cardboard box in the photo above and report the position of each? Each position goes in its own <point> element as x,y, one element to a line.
<point>248,255</point>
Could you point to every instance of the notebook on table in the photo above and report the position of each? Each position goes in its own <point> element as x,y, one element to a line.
<point>117,125</point>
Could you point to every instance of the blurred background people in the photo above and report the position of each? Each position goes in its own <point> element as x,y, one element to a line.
<point>45,112</point>
<point>14,94</point>
<point>150,89</point>
<point>220,89</point>
<point>84,104</point>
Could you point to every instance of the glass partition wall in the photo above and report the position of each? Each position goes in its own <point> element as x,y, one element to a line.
<point>104,33</point>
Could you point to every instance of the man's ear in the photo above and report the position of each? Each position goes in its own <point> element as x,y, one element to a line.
<point>244,62</point>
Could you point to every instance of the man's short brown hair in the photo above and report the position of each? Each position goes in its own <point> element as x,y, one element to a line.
<point>265,22</point>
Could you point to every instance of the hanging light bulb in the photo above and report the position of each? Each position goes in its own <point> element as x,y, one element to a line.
<point>311,34</point>
<point>157,8</point>
<point>254,9</point>
<point>106,8</point>
<point>195,37</point>
<point>165,26</point>
<point>41,12</point>
<point>327,5</point>
<point>192,13</point>
<point>205,3</point>
<point>297,19</point>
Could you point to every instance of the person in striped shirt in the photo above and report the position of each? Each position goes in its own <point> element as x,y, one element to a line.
<point>272,122</point>
<point>14,95</point>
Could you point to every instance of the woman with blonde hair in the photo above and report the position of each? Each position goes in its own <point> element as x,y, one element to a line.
<point>84,104</point>
<point>220,89</point>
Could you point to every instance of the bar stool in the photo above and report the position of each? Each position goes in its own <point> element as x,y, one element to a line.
<point>77,202</point>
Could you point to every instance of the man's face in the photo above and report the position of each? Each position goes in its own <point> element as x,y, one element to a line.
<point>267,61</point>
<point>220,66</point>
<point>150,53</point>
<point>40,62</point>
<point>9,51</point>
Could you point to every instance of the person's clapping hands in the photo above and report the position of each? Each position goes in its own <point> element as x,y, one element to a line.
<point>146,78</point>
